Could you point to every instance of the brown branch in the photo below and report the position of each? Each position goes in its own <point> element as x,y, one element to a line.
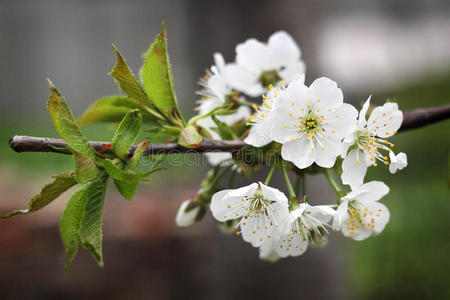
<point>412,119</point>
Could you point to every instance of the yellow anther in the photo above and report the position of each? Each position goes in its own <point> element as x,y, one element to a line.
<point>357,162</point>
<point>238,233</point>
<point>270,86</point>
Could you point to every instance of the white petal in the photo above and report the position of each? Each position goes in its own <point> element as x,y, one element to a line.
<point>363,112</point>
<point>273,194</point>
<point>291,70</point>
<point>243,80</point>
<point>257,229</point>
<point>291,244</point>
<point>326,91</point>
<point>267,252</point>
<point>341,120</point>
<point>298,152</point>
<point>388,119</point>
<point>284,48</point>
<point>186,219</point>
<point>398,161</point>
<point>326,156</point>
<point>227,204</point>
<point>341,215</point>
<point>358,234</point>
<point>254,56</point>
<point>369,192</point>
<point>353,173</point>
<point>378,215</point>
<point>219,61</point>
<point>281,118</point>
<point>322,213</point>
<point>260,134</point>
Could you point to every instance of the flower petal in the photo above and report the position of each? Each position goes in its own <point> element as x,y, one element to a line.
<point>341,121</point>
<point>254,56</point>
<point>377,216</point>
<point>368,192</point>
<point>268,253</point>
<point>298,152</point>
<point>363,112</point>
<point>385,120</point>
<point>256,229</point>
<point>352,172</point>
<point>243,80</point>
<point>326,152</point>
<point>284,49</point>
<point>260,134</point>
<point>283,124</point>
<point>292,69</point>
<point>273,194</point>
<point>292,243</point>
<point>341,215</point>
<point>184,218</point>
<point>325,90</point>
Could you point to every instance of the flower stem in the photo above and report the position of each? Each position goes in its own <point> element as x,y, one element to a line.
<point>269,175</point>
<point>288,182</point>
<point>333,183</point>
<point>300,185</point>
<point>208,114</point>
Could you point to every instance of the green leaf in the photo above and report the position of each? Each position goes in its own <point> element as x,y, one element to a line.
<point>112,109</point>
<point>128,84</point>
<point>68,129</point>
<point>126,189</point>
<point>49,192</point>
<point>137,155</point>
<point>190,138</point>
<point>157,78</point>
<point>126,133</point>
<point>91,223</point>
<point>223,129</point>
<point>81,222</point>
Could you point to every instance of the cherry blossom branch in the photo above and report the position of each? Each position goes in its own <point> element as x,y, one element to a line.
<point>412,119</point>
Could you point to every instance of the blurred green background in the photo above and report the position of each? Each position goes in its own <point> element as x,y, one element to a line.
<point>384,48</point>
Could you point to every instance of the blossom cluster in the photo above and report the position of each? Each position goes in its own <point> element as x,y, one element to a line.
<point>312,125</point>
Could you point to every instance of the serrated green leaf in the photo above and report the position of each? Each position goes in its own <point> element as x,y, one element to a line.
<point>68,129</point>
<point>190,138</point>
<point>49,192</point>
<point>91,223</point>
<point>126,189</point>
<point>120,174</point>
<point>128,84</point>
<point>126,133</point>
<point>65,124</point>
<point>223,129</point>
<point>157,78</point>
<point>111,109</point>
<point>81,222</point>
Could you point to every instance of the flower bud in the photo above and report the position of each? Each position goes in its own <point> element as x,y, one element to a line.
<point>188,213</point>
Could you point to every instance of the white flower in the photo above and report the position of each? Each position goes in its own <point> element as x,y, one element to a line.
<point>259,208</point>
<point>260,132</point>
<point>311,122</point>
<point>306,225</point>
<point>186,218</point>
<point>360,215</point>
<point>215,91</point>
<point>398,161</point>
<point>368,139</point>
<point>259,64</point>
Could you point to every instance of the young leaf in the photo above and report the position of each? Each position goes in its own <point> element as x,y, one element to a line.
<point>137,155</point>
<point>68,129</point>
<point>157,78</point>
<point>190,138</point>
<point>65,124</point>
<point>91,222</point>
<point>125,180</point>
<point>223,129</point>
<point>112,109</point>
<point>126,189</point>
<point>49,192</point>
<point>83,215</point>
<point>126,133</point>
<point>128,84</point>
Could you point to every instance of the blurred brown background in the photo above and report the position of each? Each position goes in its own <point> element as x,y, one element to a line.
<point>389,48</point>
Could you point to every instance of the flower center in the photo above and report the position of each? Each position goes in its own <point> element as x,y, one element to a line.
<point>269,77</point>
<point>369,143</point>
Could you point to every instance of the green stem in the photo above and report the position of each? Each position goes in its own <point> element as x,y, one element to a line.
<point>269,175</point>
<point>219,175</point>
<point>288,182</point>
<point>333,182</point>
<point>209,114</point>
